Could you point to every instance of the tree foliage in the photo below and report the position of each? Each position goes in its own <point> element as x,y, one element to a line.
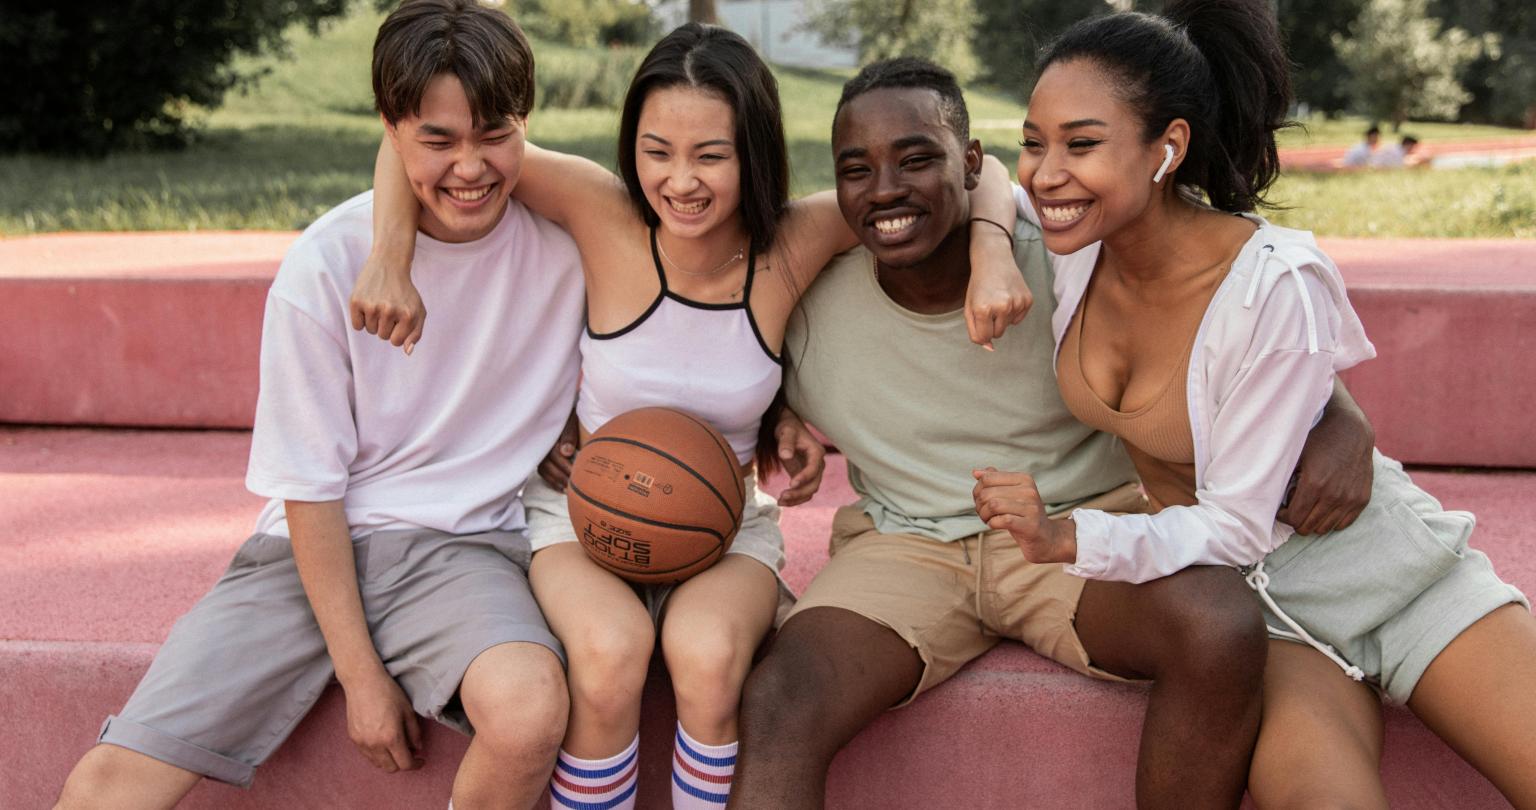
<point>1010,34</point>
<point>585,22</point>
<point>1309,27</point>
<point>1503,84</point>
<point>940,30</point>
<point>92,75</point>
<point>1403,63</point>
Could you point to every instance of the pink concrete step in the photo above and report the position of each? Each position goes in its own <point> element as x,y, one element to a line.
<point>162,330</point>
<point>107,536</point>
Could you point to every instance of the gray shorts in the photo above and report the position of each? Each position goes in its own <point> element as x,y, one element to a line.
<point>245,665</point>
<point>1393,589</point>
<point>549,522</point>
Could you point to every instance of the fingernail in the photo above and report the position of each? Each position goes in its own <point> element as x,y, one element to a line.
<point>567,449</point>
<point>409,347</point>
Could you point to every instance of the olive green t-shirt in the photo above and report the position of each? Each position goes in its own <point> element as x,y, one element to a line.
<point>915,406</point>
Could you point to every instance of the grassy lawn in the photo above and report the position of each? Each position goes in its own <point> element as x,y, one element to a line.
<point>303,140</point>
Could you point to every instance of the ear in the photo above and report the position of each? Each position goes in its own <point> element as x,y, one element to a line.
<point>391,132</point>
<point>1176,137</point>
<point>973,155</point>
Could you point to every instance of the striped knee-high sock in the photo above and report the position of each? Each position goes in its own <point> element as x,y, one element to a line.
<point>701,774</point>
<point>596,784</point>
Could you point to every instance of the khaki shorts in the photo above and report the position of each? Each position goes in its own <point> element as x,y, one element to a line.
<point>954,601</point>
<point>759,538</point>
<point>245,665</point>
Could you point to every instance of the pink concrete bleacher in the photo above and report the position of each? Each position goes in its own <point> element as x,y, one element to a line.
<point>106,535</point>
<point>162,330</point>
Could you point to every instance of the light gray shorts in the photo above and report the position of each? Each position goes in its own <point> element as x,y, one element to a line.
<point>549,522</point>
<point>245,665</point>
<point>1394,588</point>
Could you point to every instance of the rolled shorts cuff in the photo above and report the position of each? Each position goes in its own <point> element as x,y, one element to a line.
<point>125,733</point>
<point>1399,685</point>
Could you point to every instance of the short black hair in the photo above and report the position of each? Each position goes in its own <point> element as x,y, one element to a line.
<point>481,46</point>
<point>912,72</point>
<point>1374,130</point>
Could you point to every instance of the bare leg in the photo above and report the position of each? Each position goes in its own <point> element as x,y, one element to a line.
<point>110,776</point>
<point>1200,637</point>
<point>1478,696</point>
<point>515,697</point>
<point>608,638</point>
<point>713,624</point>
<point>1320,744</point>
<point>829,673</point>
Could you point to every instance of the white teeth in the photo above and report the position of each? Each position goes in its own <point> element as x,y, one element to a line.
<point>688,208</point>
<point>468,194</point>
<point>895,225</point>
<point>1062,213</point>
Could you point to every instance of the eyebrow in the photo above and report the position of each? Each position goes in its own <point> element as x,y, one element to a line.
<point>433,129</point>
<point>701,145</point>
<point>904,142</point>
<point>1078,124</point>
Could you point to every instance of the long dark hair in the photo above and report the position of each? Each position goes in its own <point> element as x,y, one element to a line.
<point>716,59</point>
<point>1218,64</point>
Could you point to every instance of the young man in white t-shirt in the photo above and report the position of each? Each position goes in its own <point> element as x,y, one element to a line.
<point>391,556</point>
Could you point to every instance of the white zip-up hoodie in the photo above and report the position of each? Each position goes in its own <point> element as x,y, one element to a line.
<point>1262,368</point>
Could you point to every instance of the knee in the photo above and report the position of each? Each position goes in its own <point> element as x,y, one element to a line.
<point>708,665</point>
<point>1213,625</point>
<point>521,714</point>
<point>107,772</point>
<point>784,696</point>
<point>608,666</point>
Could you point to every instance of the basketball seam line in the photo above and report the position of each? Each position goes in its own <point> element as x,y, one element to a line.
<point>719,539</point>
<point>681,465</point>
<point>725,450</point>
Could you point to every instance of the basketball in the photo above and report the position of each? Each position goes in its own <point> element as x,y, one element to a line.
<point>655,495</point>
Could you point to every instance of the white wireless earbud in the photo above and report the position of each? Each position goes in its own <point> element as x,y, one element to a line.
<point>1167,161</point>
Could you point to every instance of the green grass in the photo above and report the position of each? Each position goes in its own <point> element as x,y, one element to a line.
<point>303,139</point>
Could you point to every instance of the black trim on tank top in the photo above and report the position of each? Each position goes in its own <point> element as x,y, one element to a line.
<point>746,301</point>
<point>666,292</point>
<point>660,274</point>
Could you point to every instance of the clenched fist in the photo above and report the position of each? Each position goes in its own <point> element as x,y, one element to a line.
<point>1010,501</point>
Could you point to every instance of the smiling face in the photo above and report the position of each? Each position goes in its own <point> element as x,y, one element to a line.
<point>1084,161</point>
<point>687,161</point>
<point>461,173</point>
<point>902,173</point>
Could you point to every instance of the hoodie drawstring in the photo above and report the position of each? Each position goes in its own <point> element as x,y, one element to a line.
<point>1301,285</point>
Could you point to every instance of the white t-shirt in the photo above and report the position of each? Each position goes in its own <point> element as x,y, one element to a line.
<point>442,439</point>
<point>1358,155</point>
<point>1391,156</point>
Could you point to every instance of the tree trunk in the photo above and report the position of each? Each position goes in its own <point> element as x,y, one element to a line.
<point>702,11</point>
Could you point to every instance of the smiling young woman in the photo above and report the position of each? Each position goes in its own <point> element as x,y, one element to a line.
<point>1209,341</point>
<point>694,257</point>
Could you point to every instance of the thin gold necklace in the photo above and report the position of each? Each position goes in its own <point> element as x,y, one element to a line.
<point>740,253</point>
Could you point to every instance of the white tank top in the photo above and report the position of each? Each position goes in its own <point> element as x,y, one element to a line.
<point>707,359</point>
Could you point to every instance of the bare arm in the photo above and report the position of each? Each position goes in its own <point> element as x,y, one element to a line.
<point>573,192</point>
<point>379,717</point>
<point>1334,474</point>
<point>384,301</point>
<point>997,297</point>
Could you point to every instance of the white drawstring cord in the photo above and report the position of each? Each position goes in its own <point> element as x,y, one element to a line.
<point>1301,285</point>
<point>1258,580</point>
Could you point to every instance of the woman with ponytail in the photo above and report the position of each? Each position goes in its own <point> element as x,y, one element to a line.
<point>1209,340</point>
